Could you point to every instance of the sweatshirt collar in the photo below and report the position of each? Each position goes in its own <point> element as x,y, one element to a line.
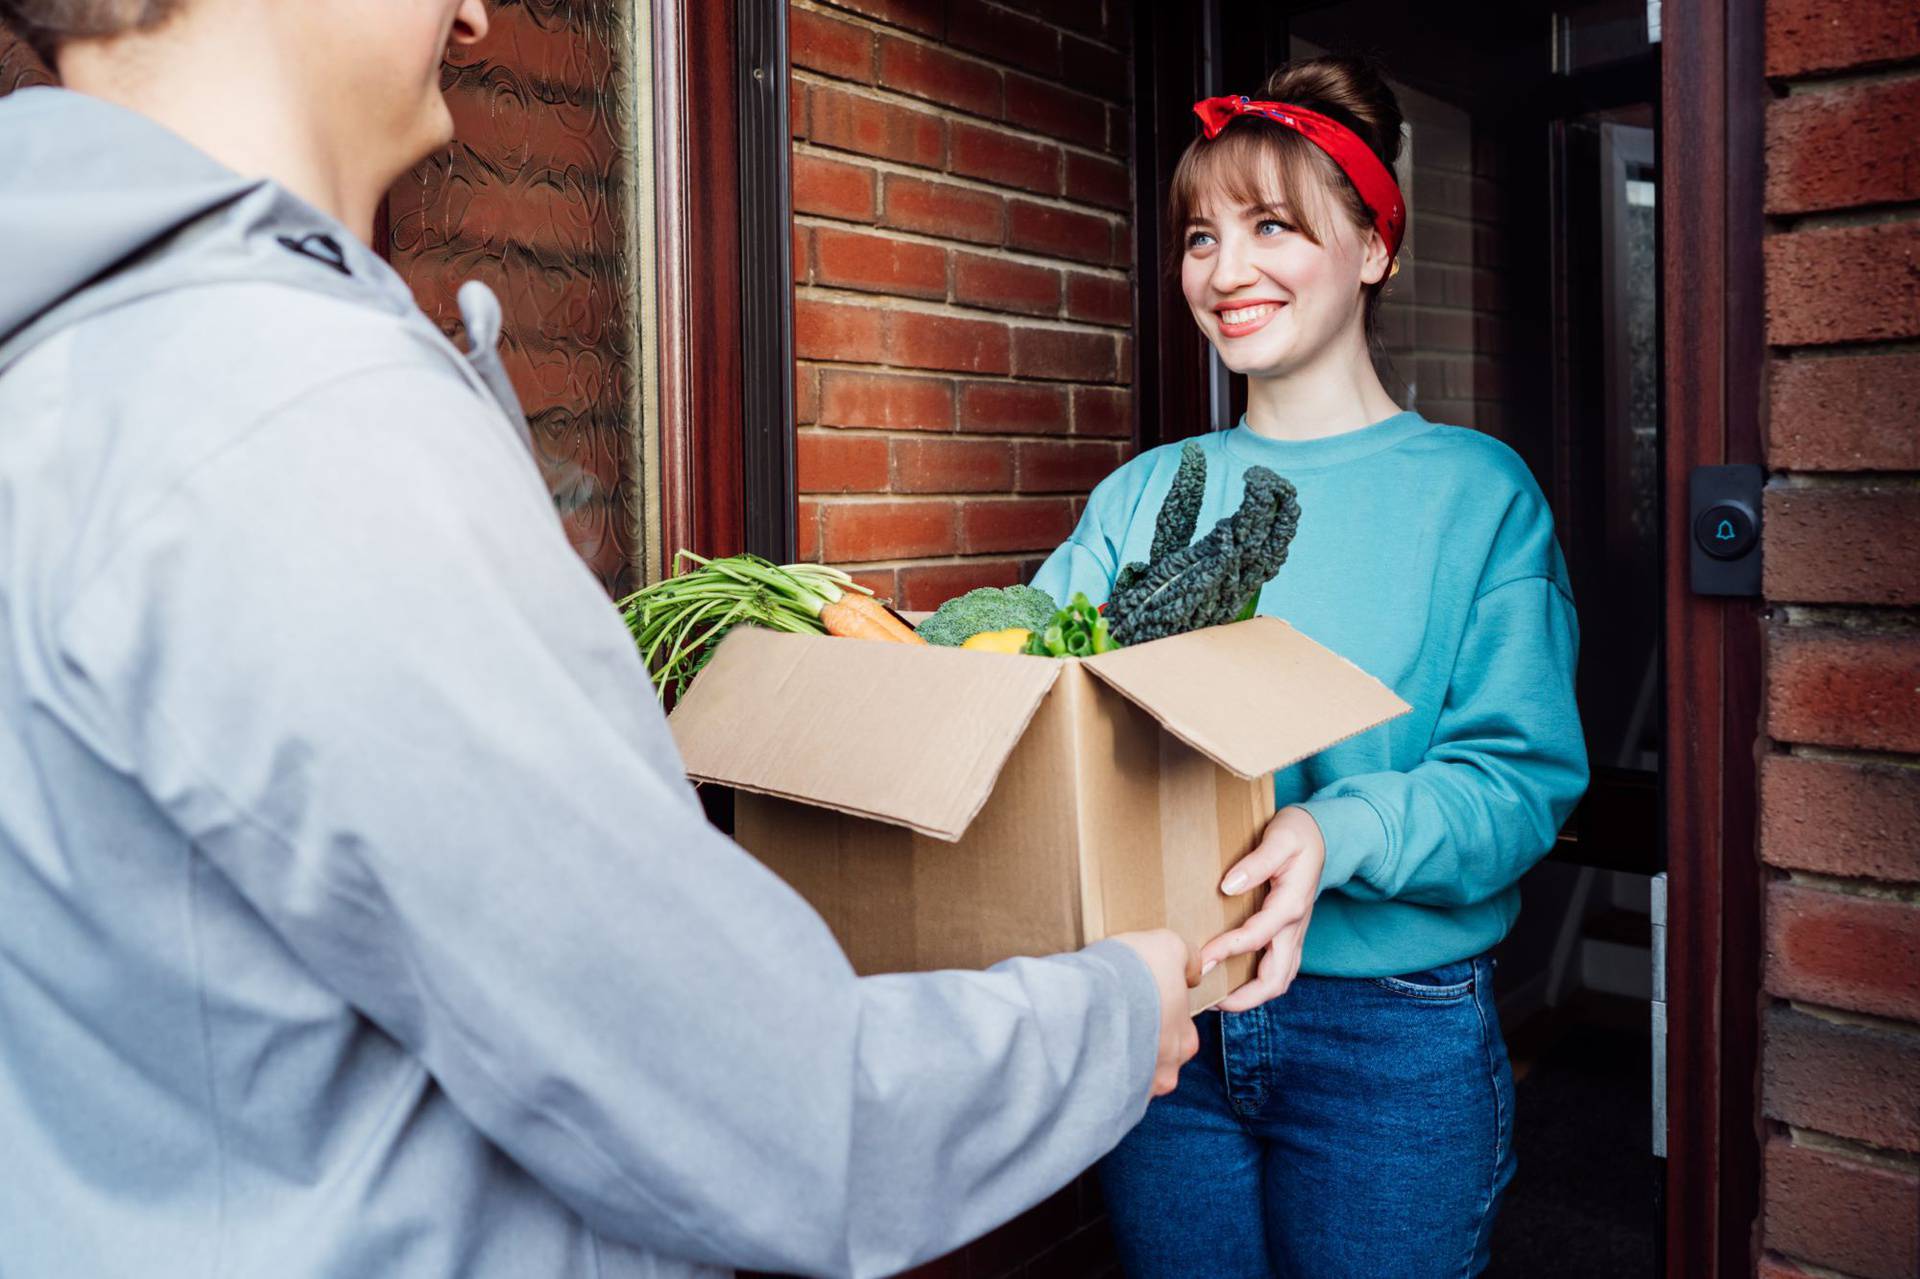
<point>1287,456</point>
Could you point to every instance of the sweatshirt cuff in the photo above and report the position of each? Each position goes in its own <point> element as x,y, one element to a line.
<point>1142,993</point>
<point>1355,836</point>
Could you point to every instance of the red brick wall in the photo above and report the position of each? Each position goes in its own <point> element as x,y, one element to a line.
<point>962,292</point>
<point>1840,781</point>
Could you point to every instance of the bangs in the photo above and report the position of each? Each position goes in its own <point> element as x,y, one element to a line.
<point>1253,164</point>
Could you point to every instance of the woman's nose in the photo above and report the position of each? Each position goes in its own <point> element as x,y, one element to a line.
<point>1232,265</point>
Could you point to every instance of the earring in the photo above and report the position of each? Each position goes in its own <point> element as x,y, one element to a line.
<point>1394,269</point>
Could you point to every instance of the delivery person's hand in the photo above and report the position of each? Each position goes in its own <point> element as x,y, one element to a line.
<point>1176,971</point>
<point>1288,861</point>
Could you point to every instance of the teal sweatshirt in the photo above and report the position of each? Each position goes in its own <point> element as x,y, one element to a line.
<point>1426,555</point>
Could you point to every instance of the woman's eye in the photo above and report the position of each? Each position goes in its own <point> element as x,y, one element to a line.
<point>1199,239</point>
<point>1277,225</point>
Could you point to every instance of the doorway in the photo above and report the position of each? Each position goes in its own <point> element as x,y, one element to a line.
<point>1528,307</point>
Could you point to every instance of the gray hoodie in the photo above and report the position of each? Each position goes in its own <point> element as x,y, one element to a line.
<point>356,917</point>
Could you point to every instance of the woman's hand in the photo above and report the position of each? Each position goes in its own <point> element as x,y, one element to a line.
<point>1288,861</point>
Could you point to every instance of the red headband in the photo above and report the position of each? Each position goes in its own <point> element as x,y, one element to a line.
<point>1372,179</point>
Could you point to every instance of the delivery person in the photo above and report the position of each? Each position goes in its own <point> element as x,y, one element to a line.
<point>356,918</point>
<point>1352,1111</point>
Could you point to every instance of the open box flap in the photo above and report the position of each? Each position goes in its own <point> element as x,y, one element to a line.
<point>1254,697</point>
<point>904,734</point>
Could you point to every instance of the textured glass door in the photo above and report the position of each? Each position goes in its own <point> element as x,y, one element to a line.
<point>542,197</point>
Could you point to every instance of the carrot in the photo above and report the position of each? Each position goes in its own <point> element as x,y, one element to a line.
<point>858,616</point>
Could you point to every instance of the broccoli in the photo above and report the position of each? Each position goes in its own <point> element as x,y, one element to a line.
<point>990,608</point>
<point>1216,579</point>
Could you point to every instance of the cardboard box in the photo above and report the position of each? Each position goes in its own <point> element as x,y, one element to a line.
<point>950,809</point>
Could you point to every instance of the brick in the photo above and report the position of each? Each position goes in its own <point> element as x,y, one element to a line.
<point>1014,524</point>
<point>1064,466</point>
<point>1852,1080</point>
<point>835,462</point>
<point>1045,228</point>
<point>1084,16</point>
<point>854,122</point>
<point>829,45</point>
<point>1841,1213</point>
<point>856,532</point>
<point>1005,36</point>
<point>938,75</point>
<point>806,392</point>
<point>1102,410</point>
<point>1100,299</point>
<point>1817,35</point>
<point>1850,819</point>
<point>994,155</point>
<point>916,339</point>
<point>1119,137</point>
<point>835,331</point>
<point>1839,950</point>
<point>943,209</point>
<point>883,582</point>
<point>1843,284</point>
<point>802,255</point>
<point>1443,330</point>
<point>1844,413</point>
<point>879,264</point>
<point>1858,544</point>
<point>550,135</point>
<point>796,108</point>
<point>1094,180</point>
<point>1832,687</point>
<point>924,587</point>
<point>1004,285</point>
<point>1094,68</point>
<point>1852,144</point>
<point>1014,408</point>
<point>807,528</point>
<point>1054,112</point>
<point>928,17</point>
<point>833,189</point>
<point>885,400</point>
<point>946,465</point>
<point>1071,355</point>
<point>565,55</point>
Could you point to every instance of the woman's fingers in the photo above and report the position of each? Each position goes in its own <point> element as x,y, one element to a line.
<point>1269,980</point>
<point>1274,850</point>
<point>1281,910</point>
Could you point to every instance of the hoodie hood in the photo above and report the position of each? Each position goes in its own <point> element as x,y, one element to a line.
<point>101,206</point>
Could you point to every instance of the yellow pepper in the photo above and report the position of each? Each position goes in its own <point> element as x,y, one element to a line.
<point>1011,640</point>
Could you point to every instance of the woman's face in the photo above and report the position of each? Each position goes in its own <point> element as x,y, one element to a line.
<point>1269,299</point>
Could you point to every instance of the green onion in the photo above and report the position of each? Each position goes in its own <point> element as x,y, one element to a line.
<point>678,621</point>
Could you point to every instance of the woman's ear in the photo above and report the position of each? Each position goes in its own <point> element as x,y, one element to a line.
<point>1377,263</point>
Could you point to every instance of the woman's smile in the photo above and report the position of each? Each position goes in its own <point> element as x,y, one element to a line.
<point>1239,319</point>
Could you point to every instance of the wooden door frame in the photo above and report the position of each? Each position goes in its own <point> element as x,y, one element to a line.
<point>724,225</point>
<point>1712,167</point>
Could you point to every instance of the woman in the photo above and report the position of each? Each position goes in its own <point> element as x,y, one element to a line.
<point>1355,1119</point>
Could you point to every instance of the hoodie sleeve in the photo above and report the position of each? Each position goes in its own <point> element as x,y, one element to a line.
<point>354,659</point>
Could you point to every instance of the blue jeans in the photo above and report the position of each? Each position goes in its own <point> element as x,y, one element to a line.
<point>1354,1128</point>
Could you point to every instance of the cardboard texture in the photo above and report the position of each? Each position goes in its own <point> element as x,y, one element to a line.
<point>949,809</point>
